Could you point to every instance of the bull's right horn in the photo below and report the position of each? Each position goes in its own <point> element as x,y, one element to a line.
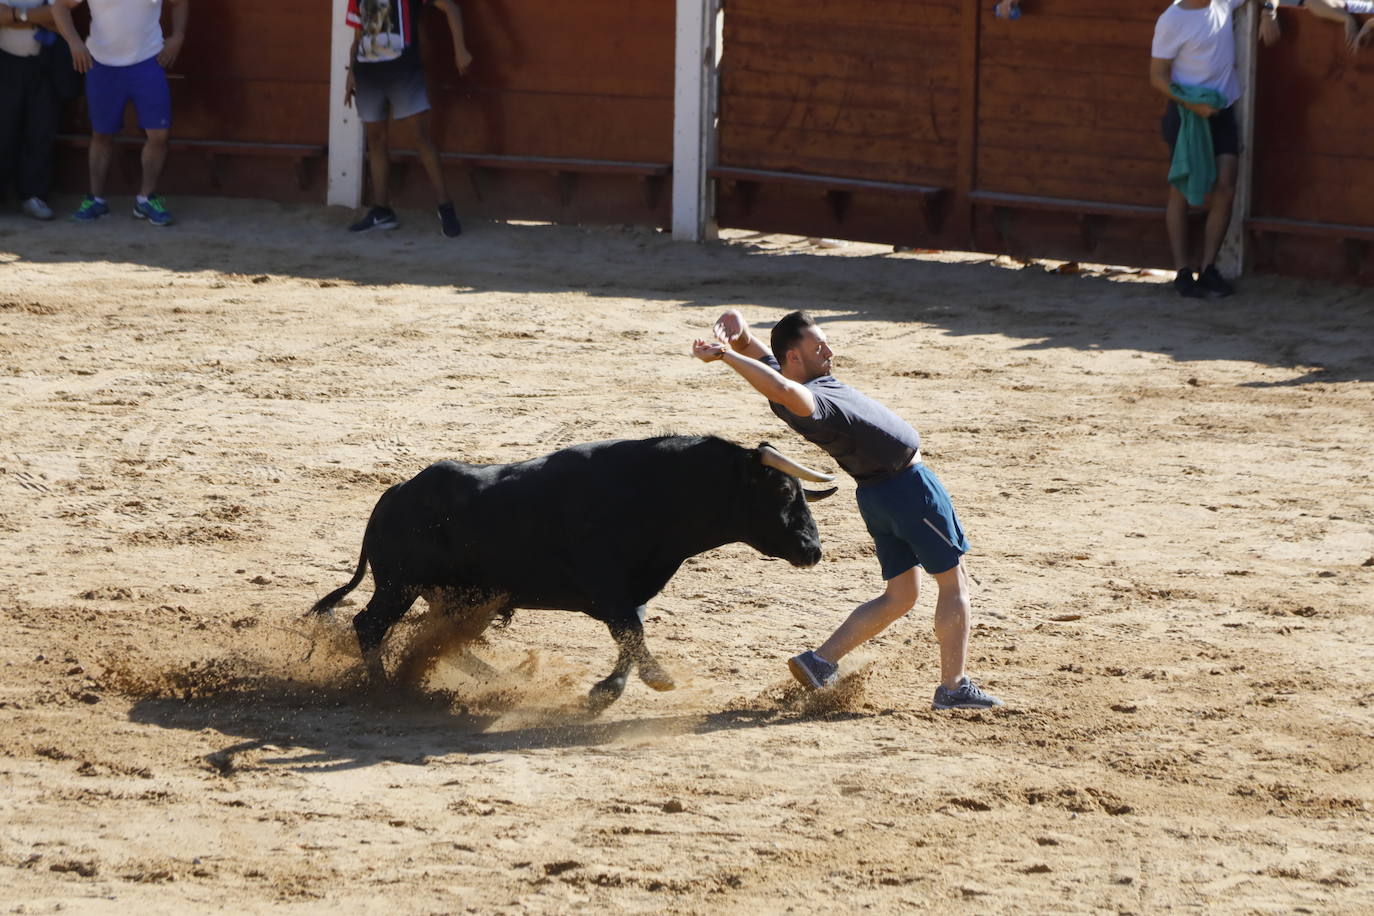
<point>775,459</point>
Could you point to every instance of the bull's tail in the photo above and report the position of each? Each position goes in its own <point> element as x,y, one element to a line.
<point>326,604</point>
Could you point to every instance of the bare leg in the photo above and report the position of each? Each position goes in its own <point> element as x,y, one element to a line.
<point>379,162</point>
<point>952,623</point>
<point>1219,208</point>
<point>154,157</point>
<point>872,617</point>
<point>429,155</point>
<point>1176,221</point>
<point>102,146</point>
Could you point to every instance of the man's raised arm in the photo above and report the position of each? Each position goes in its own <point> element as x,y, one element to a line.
<point>745,355</point>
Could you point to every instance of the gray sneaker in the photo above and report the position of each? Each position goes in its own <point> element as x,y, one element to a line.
<point>812,671</point>
<point>967,695</point>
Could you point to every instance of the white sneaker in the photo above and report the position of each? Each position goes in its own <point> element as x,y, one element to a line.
<point>36,208</point>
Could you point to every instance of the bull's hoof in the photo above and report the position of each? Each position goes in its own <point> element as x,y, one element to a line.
<point>654,675</point>
<point>605,693</point>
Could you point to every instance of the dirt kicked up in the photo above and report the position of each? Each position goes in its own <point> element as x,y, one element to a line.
<point>1170,504</point>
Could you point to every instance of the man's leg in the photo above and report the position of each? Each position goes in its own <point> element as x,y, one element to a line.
<point>38,137</point>
<point>154,158</point>
<point>1176,221</point>
<point>952,624</point>
<point>429,155</point>
<point>379,162</point>
<point>102,147</point>
<point>872,617</point>
<point>1219,208</point>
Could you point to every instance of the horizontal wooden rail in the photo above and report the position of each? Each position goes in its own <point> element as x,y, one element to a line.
<point>1303,227</point>
<point>563,169</point>
<point>837,190</point>
<point>301,153</point>
<point>1064,205</point>
<point>1090,214</point>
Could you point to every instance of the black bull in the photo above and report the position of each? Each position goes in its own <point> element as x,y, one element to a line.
<point>598,528</point>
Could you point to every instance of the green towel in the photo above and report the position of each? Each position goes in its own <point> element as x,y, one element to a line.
<point>1194,169</point>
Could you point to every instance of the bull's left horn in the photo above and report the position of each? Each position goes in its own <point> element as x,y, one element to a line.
<point>776,459</point>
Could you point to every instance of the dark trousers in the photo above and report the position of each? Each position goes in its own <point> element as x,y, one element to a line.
<point>28,126</point>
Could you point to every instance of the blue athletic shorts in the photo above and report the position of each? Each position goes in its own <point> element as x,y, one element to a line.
<point>109,89</point>
<point>912,521</point>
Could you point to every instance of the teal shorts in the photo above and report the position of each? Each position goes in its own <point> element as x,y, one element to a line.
<point>912,521</point>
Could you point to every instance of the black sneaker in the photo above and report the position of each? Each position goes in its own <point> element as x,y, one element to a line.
<point>449,220</point>
<point>1214,284</point>
<point>1186,286</point>
<point>377,218</point>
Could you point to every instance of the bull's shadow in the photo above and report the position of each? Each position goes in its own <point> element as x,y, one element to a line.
<point>279,723</point>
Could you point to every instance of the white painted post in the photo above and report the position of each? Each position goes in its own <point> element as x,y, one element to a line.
<point>697,58</point>
<point>345,129</point>
<point>1231,258</point>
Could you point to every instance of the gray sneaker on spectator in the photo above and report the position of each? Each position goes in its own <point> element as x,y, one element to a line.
<point>37,208</point>
<point>812,671</point>
<point>967,695</point>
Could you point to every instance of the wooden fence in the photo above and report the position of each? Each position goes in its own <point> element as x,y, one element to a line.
<point>915,122</point>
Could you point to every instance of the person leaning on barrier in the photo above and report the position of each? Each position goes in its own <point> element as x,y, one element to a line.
<point>1193,64</point>
<point>28,104</point>
<point>387,76</point>
<point>125,60</point>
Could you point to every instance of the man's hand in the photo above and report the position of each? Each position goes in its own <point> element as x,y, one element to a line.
<point>461,58</point>
<point>1269,28</point>
<point>171,49</point>
<point>1201,109</point>
<point>707,351</point>
<point>730,327</point>
<point>348,89</point>
<point>81,58</point>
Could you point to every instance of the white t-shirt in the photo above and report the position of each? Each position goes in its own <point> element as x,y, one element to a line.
<point>1202,46</point>
<point>20,42</point>
<point>125,32</point>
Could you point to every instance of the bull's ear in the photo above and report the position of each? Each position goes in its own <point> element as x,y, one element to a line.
<point>815,496</point>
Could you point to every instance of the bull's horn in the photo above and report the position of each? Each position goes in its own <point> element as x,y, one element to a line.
<point>775,459</point>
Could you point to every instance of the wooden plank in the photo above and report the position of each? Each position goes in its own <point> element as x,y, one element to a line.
<point>1106,89</point>
<point>825,182</point>
<point>250,110</point>
<point>257,40</point>
<point>1097,140</point>
<point>998,166</point>
<point>925,124</point>
<point>593,47</point>
<point>741,82</point>
<point>901,19</point>
<point>872,13</point>
<point>1065,205</point>
<point>1308,228</point>
<point>836,66</point>
<point>1065,56</point>
<point>539,124</point>
<point>838,154</point>
<point>966,168</point>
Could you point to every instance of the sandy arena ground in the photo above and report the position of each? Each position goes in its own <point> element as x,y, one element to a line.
<point>1170,505</point>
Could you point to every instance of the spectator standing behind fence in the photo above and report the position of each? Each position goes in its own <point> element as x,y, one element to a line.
<point>385,71</point>
<point>124,60</point>
<point>28,105</point>
<point>1193,63</point>
<point>1343,11</point>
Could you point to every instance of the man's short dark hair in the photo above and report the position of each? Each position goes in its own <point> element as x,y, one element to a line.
<point>787,332</point>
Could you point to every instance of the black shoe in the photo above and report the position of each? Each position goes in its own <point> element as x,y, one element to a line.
<point>377,218</point>
<point>449,220</point>
<point>1187,287</point>
<point>1214,284</point>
